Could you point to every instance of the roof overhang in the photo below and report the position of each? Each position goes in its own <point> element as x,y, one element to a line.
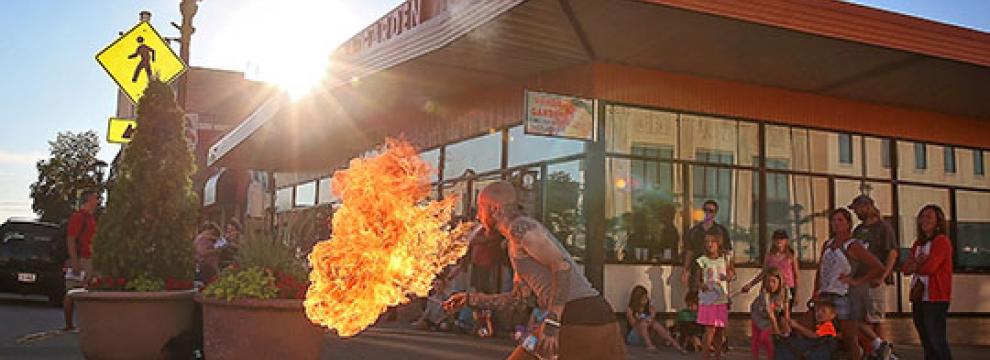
<point>826,48</point>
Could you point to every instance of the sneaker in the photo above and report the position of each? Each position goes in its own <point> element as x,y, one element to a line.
<point>884,352</point>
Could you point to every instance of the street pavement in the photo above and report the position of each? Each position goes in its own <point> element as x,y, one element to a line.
<point>21,316</point>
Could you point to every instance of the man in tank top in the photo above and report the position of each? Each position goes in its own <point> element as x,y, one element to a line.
<point>579,323</point>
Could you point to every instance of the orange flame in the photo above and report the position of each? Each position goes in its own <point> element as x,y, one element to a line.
<point>389,241</point>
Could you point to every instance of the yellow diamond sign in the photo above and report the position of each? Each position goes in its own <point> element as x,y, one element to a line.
<point>120,131</point>
<point>134,58</point>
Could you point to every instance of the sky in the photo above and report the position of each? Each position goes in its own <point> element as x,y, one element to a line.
<point>51,82</point>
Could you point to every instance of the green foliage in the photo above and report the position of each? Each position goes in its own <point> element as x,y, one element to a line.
<point>145,283</point>
<point>249,283</point>
<point>267,253</point>
<point>71,168</point>
<point>151,213</point>
<point>563,215</point>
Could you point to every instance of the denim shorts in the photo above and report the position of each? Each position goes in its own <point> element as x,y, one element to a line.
<point>843,306</point>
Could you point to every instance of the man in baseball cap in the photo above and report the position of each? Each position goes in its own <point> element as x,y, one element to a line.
<point>878,237</point>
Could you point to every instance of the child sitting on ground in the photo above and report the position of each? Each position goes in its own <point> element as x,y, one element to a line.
<point>687,328</point>
<point>824,318</point>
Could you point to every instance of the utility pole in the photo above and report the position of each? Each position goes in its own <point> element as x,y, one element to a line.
<point>188,9</point>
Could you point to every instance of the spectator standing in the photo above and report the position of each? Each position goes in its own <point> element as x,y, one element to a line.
<point>930,264</point>
<point>835,280</point>
<point>878,238</point>
<point>782,257</point>
<point>79,244</point>
<point>694,244</point>
<point>207,254</point>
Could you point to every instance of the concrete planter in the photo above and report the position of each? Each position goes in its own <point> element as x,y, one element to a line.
<point>259,329</point>
<point>131,325</point>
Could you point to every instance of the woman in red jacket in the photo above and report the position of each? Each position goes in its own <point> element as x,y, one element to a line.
<point>930,261</point>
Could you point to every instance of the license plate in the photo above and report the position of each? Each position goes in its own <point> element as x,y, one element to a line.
<point>27,277</point>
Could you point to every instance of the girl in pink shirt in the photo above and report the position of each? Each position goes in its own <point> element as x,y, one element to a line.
<point>782,257</point>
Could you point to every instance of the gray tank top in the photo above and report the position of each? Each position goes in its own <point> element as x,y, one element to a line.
<point>538,278</point>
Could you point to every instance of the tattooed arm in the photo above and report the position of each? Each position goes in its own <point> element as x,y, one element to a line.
<point>538,244</point>
<point>518,294</point>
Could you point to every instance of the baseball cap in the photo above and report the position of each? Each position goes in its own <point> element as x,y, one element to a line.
<point>779,233</point>
<point>860,200</point>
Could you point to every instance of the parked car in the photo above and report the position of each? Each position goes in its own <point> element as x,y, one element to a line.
<point>32,259</point>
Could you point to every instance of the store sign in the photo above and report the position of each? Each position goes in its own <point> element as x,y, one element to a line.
<point>560,116</point>
<point>404,17</point>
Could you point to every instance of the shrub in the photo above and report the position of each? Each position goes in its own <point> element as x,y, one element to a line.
<point>151,213</point>
<point>264,269</point>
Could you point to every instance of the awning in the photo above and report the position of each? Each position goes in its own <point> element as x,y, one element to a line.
<point>833,49</point>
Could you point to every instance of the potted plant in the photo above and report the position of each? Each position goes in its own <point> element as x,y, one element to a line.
<point>143,245</point>
<point>254,309</point>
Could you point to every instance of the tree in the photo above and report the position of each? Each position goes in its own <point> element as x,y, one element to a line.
<point>72,168</point>
<point>150,220</point>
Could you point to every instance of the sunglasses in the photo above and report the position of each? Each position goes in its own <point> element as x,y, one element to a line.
<point>709,210</point>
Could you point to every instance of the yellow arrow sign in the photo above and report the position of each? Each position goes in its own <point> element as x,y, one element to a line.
<point>138,55</point>
<point>120,131</point>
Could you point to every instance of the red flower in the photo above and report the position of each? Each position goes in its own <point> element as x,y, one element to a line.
<point>121,282</point>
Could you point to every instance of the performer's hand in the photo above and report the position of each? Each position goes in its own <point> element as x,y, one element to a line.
<point>456,302</point>
<point>547,345</point>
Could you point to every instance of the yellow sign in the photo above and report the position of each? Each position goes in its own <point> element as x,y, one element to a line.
<point>120,131</point>
<point>137,56</point>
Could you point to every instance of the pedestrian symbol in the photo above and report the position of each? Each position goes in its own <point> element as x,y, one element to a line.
<point>121,131</point>
<point>138,56</point>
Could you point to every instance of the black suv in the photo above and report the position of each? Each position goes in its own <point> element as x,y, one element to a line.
<point>32,259</point>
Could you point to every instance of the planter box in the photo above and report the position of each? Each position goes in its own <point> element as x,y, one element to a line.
<point>131,325</point>
<point>259,329</point>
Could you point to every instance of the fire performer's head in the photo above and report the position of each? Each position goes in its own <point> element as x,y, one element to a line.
<point>498,205</point>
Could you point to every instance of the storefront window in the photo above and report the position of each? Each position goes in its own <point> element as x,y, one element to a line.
<point>283,199</point>
<point>528,149</point>
<point>480,154</point>
<point>735,142</point>
<point>878,159</point>
<point>628,127</point>
<point>432,157</point>
<point>737,196</point>
<point>816,151</point>
<point>305,194</point>
<point>799,205</point>
<point>644,211</point>
<point>973,230</point>
<point>326,195</point>
<point>912,199</point>
<point>564,208</point>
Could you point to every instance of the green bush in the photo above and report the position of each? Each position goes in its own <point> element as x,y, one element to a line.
<point>249,283</point>
<point>151,213</point>
<point>268,253</point>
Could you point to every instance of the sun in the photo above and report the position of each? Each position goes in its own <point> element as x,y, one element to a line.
<point>288,43</point>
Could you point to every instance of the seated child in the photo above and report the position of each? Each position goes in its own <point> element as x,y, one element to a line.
<point>687,328</point>
<point>824,318</point>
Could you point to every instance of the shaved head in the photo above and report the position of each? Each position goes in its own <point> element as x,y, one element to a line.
<point>502,193</point>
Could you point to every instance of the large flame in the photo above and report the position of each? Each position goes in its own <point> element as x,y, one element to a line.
<point>389,241</point>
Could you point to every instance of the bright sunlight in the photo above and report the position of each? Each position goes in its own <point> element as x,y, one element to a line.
<point>288,43</point>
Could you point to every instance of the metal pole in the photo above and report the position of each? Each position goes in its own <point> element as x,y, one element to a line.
<point>188,8</point>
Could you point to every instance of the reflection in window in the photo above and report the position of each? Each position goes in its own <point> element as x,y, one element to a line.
<point>736,196</point>
<point>799,205</point>
<point>306,194</point>
<point>528,149</point>
<point>885,153</point>
<point>845,149</point>
<point>978,168</point>
<point>480,154</point>
<point>973,230</point>
<point>920,156</point>
<point>643,205</point>
<point>702,135</point>
<point>949,155</point>
<point>563,208</point>
<point>432,157</point>
<point>283,199</point>
<point>325,192</point>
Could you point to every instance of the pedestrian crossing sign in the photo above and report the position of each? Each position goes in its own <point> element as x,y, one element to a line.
<point>121,131</point>
<point>136,56</point>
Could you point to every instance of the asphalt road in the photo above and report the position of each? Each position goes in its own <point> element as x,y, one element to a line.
<point>23,316</point>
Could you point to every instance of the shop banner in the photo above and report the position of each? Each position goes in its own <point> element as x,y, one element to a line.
<point>560,116</point>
